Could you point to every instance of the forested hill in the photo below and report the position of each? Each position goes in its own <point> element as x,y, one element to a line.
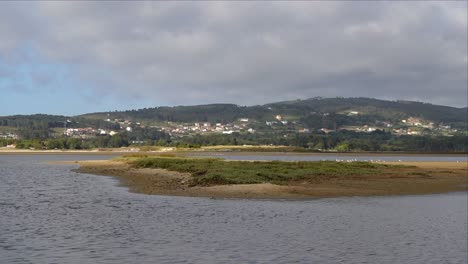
<point>385,109</point>
<point>342,111</point>
<point>341,124</point>
<point>342,108</point>
<point>42,121</point>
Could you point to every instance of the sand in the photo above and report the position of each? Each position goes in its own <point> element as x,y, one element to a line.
<point>424,178</point>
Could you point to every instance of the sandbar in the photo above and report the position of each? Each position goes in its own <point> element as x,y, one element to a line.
<point>420,178</point>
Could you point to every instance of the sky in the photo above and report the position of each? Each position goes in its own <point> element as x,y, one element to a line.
<point>78,57</point>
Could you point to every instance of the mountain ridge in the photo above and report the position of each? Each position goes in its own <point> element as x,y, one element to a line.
<point>312,112</point>
<point>338,105</point>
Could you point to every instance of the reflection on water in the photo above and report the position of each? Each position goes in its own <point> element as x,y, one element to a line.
<point>51,215</point>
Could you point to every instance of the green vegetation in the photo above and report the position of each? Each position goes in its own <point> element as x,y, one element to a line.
<point>207,172</point>
<point>307,111</point>
<point>45,123</point>
<point>340,141</point>
<point>151,127</point>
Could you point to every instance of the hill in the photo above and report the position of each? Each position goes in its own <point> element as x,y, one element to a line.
<point>315,124</point>
<point>344,111</point>
<point>313,113</point>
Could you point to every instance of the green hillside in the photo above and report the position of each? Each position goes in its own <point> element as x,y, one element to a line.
<point>315,124</point>
<point>312,110</point>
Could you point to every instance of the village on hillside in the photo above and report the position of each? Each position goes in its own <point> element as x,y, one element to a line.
<point>411,126</point>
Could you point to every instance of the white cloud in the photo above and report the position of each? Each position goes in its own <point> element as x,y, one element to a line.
<point>247,53</point>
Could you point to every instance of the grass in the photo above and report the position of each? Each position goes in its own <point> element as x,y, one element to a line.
<point>209,171</point>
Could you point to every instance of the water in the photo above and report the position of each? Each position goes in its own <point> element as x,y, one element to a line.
<point>330,156</point>
<point>49,214</point>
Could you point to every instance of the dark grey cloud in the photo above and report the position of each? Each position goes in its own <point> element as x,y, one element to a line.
<point>248,52</point>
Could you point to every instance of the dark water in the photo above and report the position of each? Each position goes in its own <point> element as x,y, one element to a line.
<point>51,215</point>
<point>329,156</point>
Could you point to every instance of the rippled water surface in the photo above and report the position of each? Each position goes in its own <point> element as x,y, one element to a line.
<point>49,214</point>
<point>330,156</point>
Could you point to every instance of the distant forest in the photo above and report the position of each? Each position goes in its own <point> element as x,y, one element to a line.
<point>46,131</point>
<point>372,109</point>
<point>342,141</point>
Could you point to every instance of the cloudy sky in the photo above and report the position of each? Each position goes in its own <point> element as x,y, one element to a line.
<point>77,57</point>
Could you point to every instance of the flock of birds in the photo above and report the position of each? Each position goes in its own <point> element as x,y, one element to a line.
<point>377,161</point>
<point>355,160</point>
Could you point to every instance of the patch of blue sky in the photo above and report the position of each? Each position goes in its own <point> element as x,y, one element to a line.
<point>31,84</point>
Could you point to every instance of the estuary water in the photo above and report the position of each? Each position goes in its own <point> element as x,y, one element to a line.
<point>49,214</point>
<point>330,156</point>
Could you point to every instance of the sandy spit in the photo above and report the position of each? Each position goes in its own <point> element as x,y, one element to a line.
<point>425,178</point>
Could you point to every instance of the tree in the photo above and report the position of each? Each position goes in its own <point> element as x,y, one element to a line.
<point>343,147</point>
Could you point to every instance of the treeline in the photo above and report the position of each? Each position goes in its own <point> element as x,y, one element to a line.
<point>33,122</point>
<point>115,141</point>
<point>386,110</point>
<point>145,136</point>
<point>40,123</point>
<point>314,113</point>
<point>343,141</point>
<point>309,111</point>
<point>213,113</point>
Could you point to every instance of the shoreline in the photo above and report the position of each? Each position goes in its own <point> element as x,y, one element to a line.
<point>203,152</point>
<point>426,178</point>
